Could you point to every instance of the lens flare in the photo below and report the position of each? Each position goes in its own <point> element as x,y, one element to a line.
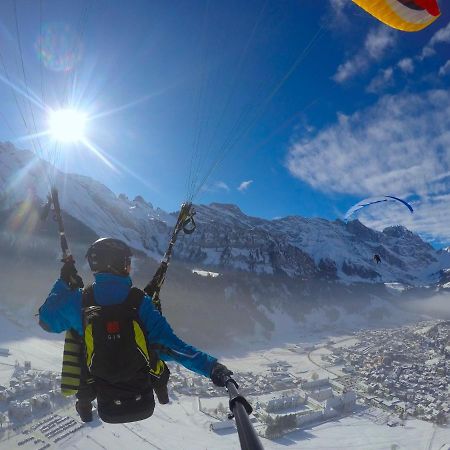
<point>67,125</point>
<point>59,47</point>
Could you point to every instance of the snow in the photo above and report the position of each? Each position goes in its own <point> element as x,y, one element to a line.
<point>182,425</point>
<point>253,244</point>
<point>228,237</point>
<point>396,287</point>
<point>205,273</point>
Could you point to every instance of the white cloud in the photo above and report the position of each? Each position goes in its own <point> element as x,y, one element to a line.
<point>377,43</point>
<point>406,65</point>
<point>338,6</point>
<point>430,218</point>
<point>222,185</point>
<point>244,185</point>
<point>399,146</point>
<point>445,69</point>
<point>351,68</point>
<point>442,36</point>
<point>383,80</point>
<point>337,17</point>
<point>380,148</point>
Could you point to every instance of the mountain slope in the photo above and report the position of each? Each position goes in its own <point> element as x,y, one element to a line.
<point>228,240</point>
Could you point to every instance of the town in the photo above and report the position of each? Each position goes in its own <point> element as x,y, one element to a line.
<point>28,405</point>
<point>402,372</point>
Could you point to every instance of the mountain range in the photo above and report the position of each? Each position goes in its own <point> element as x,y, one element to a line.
<point>294,261</point>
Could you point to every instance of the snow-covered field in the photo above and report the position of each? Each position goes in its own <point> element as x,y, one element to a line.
<point>181,425</point>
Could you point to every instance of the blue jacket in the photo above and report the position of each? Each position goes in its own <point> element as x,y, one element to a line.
<point>63,310</point>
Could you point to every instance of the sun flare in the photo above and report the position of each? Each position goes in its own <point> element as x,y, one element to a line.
<point>67,125</point>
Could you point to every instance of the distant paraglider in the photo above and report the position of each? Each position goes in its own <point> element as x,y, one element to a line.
<point>405,15</point>
<point>374,200</point>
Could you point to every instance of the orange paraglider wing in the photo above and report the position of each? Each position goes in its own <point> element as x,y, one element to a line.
<point>405,15</point>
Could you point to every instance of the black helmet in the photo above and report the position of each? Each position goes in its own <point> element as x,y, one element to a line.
<point>109,255</point>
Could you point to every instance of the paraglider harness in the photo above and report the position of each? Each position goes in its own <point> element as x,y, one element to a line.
<point>124,374</point>
<point>129,370</point>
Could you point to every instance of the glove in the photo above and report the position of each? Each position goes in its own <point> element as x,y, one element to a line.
<point>159,384</point>
<point>70,275</point>
<point>220,374</point>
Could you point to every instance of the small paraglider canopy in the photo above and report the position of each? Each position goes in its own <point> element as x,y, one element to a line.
<point>405,15</point>
<point>374,200</point>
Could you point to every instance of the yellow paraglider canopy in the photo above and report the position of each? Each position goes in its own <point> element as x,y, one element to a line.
<point>405,15</point>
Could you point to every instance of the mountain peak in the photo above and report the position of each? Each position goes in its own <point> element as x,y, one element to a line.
<point>226,237</point>
<point>397,231</point>
<point>229,207</point>
<point>139,199</point>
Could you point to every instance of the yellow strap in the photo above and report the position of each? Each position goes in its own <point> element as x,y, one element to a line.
<point>71,358</point>
<point>89,341</point>
<point>70,375</point>
<point>159,369</point>
<point>68,392</point>
<point>140,340</point>
<point>71,370</point>
<point>69,347</point>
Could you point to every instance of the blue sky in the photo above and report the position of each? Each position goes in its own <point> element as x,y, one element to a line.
<point>309,106</point>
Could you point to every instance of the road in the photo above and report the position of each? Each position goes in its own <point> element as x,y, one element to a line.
<point>324,346</point>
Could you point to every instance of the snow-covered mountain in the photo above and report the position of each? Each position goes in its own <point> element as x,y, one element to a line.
<point>226,239</point>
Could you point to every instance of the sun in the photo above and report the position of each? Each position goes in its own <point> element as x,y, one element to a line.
<point>67,125</point>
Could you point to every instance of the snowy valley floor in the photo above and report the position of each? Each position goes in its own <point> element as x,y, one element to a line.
<point>182,426</point>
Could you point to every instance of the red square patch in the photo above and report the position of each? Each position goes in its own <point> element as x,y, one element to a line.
<point>112,327</point>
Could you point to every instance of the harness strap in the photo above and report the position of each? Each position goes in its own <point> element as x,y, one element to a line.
<point>133,300</point>
<point>88,297</point>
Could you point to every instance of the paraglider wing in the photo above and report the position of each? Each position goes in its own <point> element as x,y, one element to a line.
<point>373,201</point>
<point>402,201</point>
<point>363,204</point>
<point>405,15</point>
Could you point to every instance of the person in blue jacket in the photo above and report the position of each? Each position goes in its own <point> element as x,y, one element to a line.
<point>110,260</point>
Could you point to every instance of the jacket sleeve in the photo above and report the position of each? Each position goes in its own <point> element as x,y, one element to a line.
<point>160,332</point>
<point>62,309</point>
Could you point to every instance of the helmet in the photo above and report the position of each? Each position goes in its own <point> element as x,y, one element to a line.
<point>109,255</point>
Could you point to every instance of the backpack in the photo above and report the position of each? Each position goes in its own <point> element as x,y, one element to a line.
<point>118,357</point>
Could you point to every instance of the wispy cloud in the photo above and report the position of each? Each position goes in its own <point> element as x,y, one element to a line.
<point>398,146</point>
<point>376,44</point>
<point>244,185</point>
<point>406,65</point>
<point>380,148</point>
<point>222,185</point>
<point>383,80</point>
<point>215,187</point>
<point>441,36</point>
<point>337,16</point>
<point>445,69</point>
<point>430,219</point>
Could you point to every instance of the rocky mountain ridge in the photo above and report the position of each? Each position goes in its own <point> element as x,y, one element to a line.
<point>226,238</point>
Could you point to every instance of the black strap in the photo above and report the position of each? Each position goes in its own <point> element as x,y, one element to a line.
<point>133,300</point>
<point>88,296</point>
